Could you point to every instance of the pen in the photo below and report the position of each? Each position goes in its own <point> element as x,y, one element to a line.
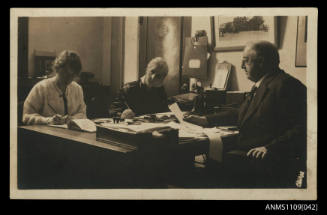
<point>52,108</point>
<point>228,129</point>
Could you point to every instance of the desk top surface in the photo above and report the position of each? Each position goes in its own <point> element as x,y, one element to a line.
<point>90,138</point>
<point>79,136</point>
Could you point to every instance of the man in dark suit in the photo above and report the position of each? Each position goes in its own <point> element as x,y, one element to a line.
<point>271,120</point>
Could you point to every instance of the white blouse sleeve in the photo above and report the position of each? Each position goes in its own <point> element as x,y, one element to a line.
<point>81,112</point>
<point>33,106</point>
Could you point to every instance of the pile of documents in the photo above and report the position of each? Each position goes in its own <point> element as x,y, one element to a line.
<point>134,129</point>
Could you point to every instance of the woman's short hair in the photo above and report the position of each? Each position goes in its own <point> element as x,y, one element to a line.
<point>68,59</point>
<point>158,64</point>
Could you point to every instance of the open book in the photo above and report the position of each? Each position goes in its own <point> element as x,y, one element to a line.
<point>79,124</point>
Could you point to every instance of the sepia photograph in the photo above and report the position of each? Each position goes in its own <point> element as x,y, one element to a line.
<point>163,103</point>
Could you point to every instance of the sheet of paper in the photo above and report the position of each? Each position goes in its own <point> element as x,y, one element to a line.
<point>180,117</point>
<point>185,132</point>
<point>177,112</point>
<point>102,120</point>
<point>194,63</point>
<point>220,78</point>
<point>215,146</point>
<point>85,125</point>
<point>164,114</point>
<point>134,128</point>
<point>192,127</point>
<point>59,126</point>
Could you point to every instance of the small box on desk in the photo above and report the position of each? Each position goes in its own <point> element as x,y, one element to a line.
<point>121,139</point>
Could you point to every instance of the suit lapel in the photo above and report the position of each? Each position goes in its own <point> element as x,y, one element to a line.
<point>260,94</point>
<point>243,109</point>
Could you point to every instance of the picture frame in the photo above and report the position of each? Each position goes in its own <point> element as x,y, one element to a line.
<point>230,33</point>
<point>222,74</point>
<point>301,42</point>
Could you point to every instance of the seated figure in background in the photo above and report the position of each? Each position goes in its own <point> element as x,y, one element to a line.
<point>144,96</point>
<point>58,99</point>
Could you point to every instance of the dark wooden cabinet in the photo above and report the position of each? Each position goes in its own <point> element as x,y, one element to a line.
<point>22,47</point>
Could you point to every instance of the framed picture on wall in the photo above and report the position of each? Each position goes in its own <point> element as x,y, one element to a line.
<point>232,32</point>
<point>301,41</point>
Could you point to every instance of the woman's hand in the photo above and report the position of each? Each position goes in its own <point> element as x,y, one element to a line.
<point>57,120</point>
<point>198,120</point>
<point>127,114</point>
<point>67,118</point>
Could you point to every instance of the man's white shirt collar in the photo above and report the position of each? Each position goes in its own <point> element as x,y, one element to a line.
<point>257,84</point>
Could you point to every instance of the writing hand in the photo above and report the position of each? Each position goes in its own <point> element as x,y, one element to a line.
<point>57,120</point>
<point>127,114</point>
<point>67,118</point>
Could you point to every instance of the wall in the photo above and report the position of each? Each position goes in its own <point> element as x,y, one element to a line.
<point>85,35</point>
<point>164,40</point>
<point>117,54</point>
<point>131,58</point>
<point>96,48</point>
<point>106,52</point>
<point>287,48</point>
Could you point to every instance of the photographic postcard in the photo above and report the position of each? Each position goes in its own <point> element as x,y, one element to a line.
<point>115,57</point>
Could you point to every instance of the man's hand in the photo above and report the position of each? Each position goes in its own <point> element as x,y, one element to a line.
<point>198,120</point>
<point>57,120</point>
<point>127,114</point>
<point>257,152</point>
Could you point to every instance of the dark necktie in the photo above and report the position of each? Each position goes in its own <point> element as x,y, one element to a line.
<point>249,98</point>
<point>252,93</point>
<point>248,103</point>
<point>65,103</point>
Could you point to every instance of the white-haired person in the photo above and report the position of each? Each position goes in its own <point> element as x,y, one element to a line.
<point>58,99</point>
<point>144,96</point>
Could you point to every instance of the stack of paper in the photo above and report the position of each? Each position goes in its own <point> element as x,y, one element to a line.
<point>143,127</point>
<point>59,126</point>
<point>185,132</point>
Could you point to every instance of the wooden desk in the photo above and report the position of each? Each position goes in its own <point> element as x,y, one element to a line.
<point>58,158</point>
<point>82,137</point>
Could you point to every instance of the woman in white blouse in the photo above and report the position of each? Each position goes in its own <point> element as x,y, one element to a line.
<point>58,99</point>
